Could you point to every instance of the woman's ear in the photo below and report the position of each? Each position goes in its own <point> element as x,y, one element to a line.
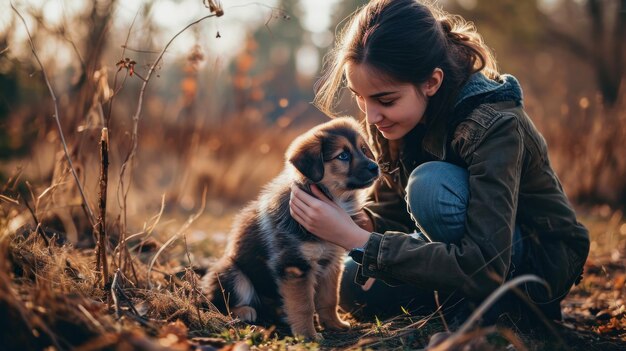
<point>432,84</point>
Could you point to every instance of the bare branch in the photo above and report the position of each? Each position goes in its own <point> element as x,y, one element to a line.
<point>114,296</point>
<point>37,223</point>
<point>125,47</point>
<point>85,206</point>
<point>8,199</point>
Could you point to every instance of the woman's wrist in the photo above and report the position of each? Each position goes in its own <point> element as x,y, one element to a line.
<point>358,238</point>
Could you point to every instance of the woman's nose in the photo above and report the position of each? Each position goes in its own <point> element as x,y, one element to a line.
<point>372,116</point>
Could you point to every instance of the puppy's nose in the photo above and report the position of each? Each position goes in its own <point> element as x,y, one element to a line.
<point>373,168</point>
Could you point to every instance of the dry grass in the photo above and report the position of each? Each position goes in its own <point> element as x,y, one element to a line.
<point>55,297</point>
<point>51,296</point>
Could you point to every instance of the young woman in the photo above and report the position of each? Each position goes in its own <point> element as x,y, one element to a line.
<point>467,197</point>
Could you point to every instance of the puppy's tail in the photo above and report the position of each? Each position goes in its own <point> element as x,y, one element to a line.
<point>226,286</point>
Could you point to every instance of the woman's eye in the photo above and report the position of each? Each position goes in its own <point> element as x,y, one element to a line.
<point>387,103</point>
<point>344,156</point>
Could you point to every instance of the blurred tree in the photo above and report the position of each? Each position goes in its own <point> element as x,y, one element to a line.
<point>16,90</point>
<point>97,18</point>
<point>89,28</point>
<point>344,8</point>
<point>593,31</point>
<point>265,71</point>
<point>8,87</point>
<point>581,41</point>
<point>600,43</point>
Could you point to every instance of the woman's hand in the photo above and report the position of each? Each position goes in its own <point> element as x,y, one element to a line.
<point>325,219</point>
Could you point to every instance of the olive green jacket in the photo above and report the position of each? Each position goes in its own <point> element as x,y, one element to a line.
<point>511,181</point>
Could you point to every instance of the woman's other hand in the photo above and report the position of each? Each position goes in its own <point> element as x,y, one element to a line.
<point>325,219</point>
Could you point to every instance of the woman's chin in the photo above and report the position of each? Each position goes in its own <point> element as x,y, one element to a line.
<point>391,134</point>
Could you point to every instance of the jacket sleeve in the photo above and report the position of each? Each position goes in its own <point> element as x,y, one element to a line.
<point>387,209</point>
<point>479,264</point>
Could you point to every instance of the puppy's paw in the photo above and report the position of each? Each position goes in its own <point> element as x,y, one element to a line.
<point>244,313</point>
<point>336,324</point>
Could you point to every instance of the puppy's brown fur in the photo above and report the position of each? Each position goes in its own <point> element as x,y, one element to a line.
<point>273,269</point>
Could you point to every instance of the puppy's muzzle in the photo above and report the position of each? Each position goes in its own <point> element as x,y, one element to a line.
<point>366,175</point>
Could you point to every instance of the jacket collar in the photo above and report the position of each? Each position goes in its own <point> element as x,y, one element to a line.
<point>477,90</point>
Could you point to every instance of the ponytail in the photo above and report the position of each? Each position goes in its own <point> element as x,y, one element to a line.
<point>466,46</point>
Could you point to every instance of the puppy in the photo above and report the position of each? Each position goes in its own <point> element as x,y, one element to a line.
<point>273,269</point>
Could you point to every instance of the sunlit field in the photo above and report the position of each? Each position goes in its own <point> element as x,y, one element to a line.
<point>106,252</point>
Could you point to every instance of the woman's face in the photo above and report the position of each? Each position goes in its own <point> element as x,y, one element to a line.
<point>394,108</point>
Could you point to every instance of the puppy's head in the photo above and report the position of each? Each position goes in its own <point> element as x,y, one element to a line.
<point>335,155</point>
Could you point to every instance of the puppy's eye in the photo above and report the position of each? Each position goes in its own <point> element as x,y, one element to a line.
<point>344,156</point>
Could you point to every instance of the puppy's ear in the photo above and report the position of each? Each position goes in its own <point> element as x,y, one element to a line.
<point>305,153</point>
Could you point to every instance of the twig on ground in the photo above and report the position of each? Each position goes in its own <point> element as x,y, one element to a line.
<point>443,319</point>
<point>513,339</point>
<point>113,295</point>
<point>458,335</point>
<point>91,318</point>
<point>187,250</point>
<point>37,223</point>
<point>85,204</point>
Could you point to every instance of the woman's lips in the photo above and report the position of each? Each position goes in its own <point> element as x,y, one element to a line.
<point>385,128</point>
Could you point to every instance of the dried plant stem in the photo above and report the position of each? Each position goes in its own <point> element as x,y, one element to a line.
<point>114,295</point>
<point>37,223</point>
<point>101,248</point>
<point>85,204</point>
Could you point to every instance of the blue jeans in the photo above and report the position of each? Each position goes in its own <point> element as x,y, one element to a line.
<point>437,198</point>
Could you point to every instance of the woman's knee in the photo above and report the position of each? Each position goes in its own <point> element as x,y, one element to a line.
<point>437,196</point>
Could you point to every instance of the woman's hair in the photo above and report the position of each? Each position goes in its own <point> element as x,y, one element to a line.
<point>405,40</point>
